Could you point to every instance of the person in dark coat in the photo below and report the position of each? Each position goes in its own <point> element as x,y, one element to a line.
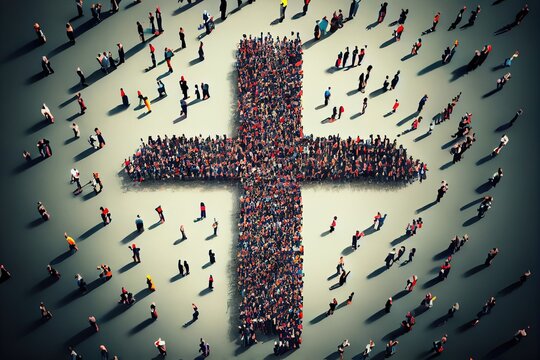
<point>182,38</point>
<point>180,268</point>
<point>121,53</point>
<point>223,9</point>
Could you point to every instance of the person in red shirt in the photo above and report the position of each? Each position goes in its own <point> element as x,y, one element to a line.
<point>105,215</point>
<point>398,32</point>
<point>395,106</point>
<point>333,224</point>
<point>159,210</point>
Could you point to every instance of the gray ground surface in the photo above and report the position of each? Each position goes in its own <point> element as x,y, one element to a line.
<point>28,245</point>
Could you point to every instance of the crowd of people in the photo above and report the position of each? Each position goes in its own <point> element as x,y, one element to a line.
<point>270,156</point>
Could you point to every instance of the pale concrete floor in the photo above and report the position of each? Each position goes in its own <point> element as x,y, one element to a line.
<point>27,246</point>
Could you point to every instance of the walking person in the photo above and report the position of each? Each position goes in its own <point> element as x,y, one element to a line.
<point>422,103</point>
<point>159,21</point>
<point>70,33</point>
<point>442,190</point>
<point>395,106</point>
<point>215,226</point>
<point>186,267</point>
<point>71,242</point>
<point>81,103</point>
<point>136,253</point>
<point>161,346</point>
<point>82,78</point>
<point>389,260</point>
<point>184,87</point>
<point>342,346</point>
<point>211,282</point>
<point>180,268</point>
<point>93,323</point>
<point>161,215</point>
<point>140,30</point>
<point>183,232</point>
<point>46,66</point>
<point>153,311</point>
<point>45,313</point>
<point>388,305</point>
<point>201,51</point>
<point>364,106</point>
<point>473,17</point>
<point>212,256</point>
<point>202,207</point>
<point>333,224</point>
<point>105,215</point>
<point>458,18</point>
<point>121,53</point>
<point>223,9</point>
<point>282,8</point>
<point>327,95</point>
<point>182,36</point>
<point>491,255</point>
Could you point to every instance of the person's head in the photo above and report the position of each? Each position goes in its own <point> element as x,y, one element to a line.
<point>335,217</point>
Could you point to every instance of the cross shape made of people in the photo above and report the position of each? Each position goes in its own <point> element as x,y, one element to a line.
<point>271,157</point>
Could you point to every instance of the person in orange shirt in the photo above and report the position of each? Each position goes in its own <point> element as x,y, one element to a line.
<point>72,244</point>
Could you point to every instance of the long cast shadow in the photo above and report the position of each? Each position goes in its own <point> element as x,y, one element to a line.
<point>61,257</point>
<point>400,295</point>
<point>23,50</point>
<point>394,334</point>
<point>130,237</point>
<point>407,119</point>
<point>27,165</point>
<point>437,64</point>
<point>205,291</point>
<point>35,78</point>
<point>377,92</point>
<point>91,231</point>
<point>501,349</point>
<point>79,337</point>
<point>185,7</point>
<point>57,50</point>
<point>483,188</point>
<point>127,267</point>
<point>318,318</point>
<point>376,316</point>
<point>432,282</point>
<point>510,288</point>
<point>447,165</point>
<point>84,154</point>
<point>440,321</point>
<point>43,284</point>
<point>38,126</point>
<point>474,270</point>
<point>484,160</point>
<point>141,326</point>
<point>471,204</point>
<point>472,221</point>
<point>459,72</point>
<point>492,92</point>
<point>399,239</point>
<point>407,57</point>
<point>388,42</point>
<point>377,272</point>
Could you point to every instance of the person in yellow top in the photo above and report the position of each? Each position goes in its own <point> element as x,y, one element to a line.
<point>282,8</point>
<point>150,283</point>
<point>72,244</point>
<point>147,104</point>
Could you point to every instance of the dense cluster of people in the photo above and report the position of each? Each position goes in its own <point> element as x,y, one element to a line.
<point>270,156</point>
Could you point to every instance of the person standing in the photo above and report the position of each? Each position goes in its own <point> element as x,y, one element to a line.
<point>103,352</point>
<point>388,305</point>
<point>186,267</point>
<point>160,345</point>
<point>305,7</point>
<point>503,142</point>
<point>4,273</point>
<point>474,16</point>
<point>223,9</point>
<point>203,211</point>
<point>215,226</point>
<point>45,313</point>
<point>152,24</point>
<point>458,19</point>
<point>436,19</point>
<point>395,80</point>
<point>201,51</point>
<point>521,15</point>
<point>125,99</point>
<point>382,12</point>
<point>81,103</point>
<point>395,106</point>
<point>346,56</point>
<point>364,106</point>
<point>389,260</point>
<point>139,223</point>
<point>46,112</point>
<point>159,210</point>
<point>150,283</point>
<point>71,242</point>
<point>105,215</point>
<point>182,38</point>
<point>184,87</point>
<point>282,8</point>
<point>183,232</point>
<point>442,190</point>
<point>518,114</point>
<point>82,78</point>
<point>195,312</point>
<point>341,348</point>
<point>494,180</point>
<point>332,307</point>
<point>140,30</point>
<point>79,4</point>
<point>183,108</point>
<point>136,253</point>
<point>380,222</point>
<point>353,9</point>
<point>121,53</point>
<point>70,33</point>
<point>369,347</point>
<point>491,255</point>
<point>153,311</point>
<point>39,33</point>
<point>421,104</point>
<point>159,21</point>
<point>212,256</point>
<point>327,95</point>
<point>93,323</point>
<point>333,224</point>
<point>211,282</point>
<point>180,268</point>
<point>46,66</point>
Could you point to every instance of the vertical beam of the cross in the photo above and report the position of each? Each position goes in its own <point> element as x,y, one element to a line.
<point>270,269</point>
